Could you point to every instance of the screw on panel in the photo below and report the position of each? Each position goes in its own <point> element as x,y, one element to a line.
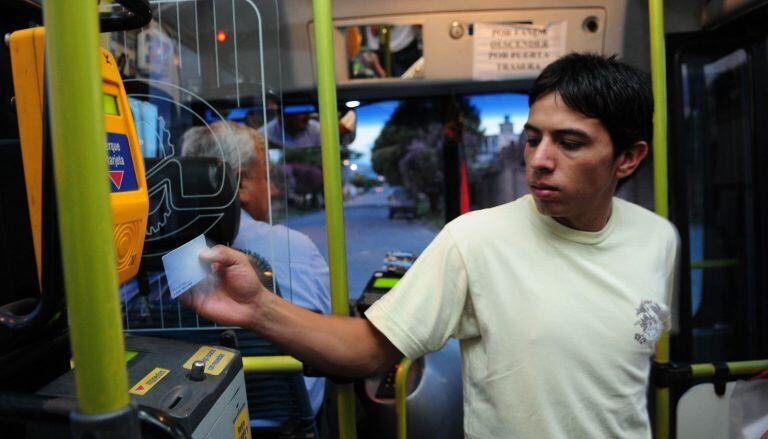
<point>457,30</point>
<point>590,24</point>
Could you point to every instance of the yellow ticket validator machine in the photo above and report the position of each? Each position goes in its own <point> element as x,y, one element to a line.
<point>129,199</point>
<point>183,389</point>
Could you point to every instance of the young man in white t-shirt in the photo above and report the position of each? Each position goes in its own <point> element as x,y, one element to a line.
<point>557,298</point>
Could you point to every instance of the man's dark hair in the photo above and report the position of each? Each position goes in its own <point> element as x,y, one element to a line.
<point>616,94</point>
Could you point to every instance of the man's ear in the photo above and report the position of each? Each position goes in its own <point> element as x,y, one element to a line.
<point>629,160</point>
<point>244,187</point>
<point>245,179</point>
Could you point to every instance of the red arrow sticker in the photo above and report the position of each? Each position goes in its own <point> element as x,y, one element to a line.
<point>116,177</point>
<point>148,382</point>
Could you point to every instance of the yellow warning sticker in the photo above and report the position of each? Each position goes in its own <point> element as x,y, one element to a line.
<point>215,359</point>
<point>242,426</point>
<point>148,382</point>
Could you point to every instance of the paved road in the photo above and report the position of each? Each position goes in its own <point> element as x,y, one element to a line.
<point>369,233</point>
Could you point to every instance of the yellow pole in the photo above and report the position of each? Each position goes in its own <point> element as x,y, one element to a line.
<point>85,219</point>
<point>271,364</point>
<point>659,77</point>
<point>334,213</point>
<point>401,397</point>
<point>735,368</point>
<point>661,184</point>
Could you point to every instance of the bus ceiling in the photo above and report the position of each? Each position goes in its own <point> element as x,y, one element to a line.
<point>452,48</point>
<point>403,48</point>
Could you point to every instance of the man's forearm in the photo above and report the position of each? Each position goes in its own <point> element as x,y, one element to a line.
<point>338,345</point>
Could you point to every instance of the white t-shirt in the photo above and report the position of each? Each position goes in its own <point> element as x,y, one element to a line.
<point>556,326</point>
<point>399,38</point>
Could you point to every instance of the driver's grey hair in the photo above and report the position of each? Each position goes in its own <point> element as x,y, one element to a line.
<point>238,145</point>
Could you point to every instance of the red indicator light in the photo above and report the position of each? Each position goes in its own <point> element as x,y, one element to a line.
<point>221,36</point>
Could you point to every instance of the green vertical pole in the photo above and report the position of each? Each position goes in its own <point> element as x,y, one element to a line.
<point>334,213</point>
<point>660,179</point>
<point>85,219</point>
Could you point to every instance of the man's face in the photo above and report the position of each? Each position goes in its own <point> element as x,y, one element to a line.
<point>254,194</point>
<point>570,167</point>
<point>296,123</point>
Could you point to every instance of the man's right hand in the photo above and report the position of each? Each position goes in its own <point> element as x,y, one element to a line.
<point>233,296</point>
<point>230,296</point>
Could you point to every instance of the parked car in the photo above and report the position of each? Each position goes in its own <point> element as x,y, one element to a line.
<point>402,202</point>
<point>398,262</point>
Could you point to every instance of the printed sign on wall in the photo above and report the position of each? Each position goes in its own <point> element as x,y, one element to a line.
<point>511,51</point>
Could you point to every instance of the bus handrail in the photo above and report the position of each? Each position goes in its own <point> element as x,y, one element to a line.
<point>334,214</point>
<point>748,367</point>
<point>85,221</point>
<point>271,364</point>
<point>401,396</point>
<point>660,179</point>
<point>668,374</point>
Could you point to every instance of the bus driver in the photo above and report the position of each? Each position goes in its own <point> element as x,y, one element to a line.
<point>557,298</point>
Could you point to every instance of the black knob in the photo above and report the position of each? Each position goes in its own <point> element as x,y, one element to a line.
<point>198,371</point>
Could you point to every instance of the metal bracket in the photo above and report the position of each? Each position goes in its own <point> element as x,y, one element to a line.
<point>720,378</point>
<point>668,374</point>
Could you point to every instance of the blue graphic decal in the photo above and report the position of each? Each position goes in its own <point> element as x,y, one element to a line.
<point>122,174</point>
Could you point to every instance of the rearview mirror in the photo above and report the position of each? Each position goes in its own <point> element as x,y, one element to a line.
<point>379,51</point>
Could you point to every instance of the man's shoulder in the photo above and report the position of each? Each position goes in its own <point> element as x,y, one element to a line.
<point>278,235</point>
<point>488,222</point>
<point>251,226</point>
<point>295,237</point>
<point>286,236</point>
<point>644,222</point>
<point>490,214</point>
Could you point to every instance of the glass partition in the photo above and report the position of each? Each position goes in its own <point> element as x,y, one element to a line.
<point>203,81</point>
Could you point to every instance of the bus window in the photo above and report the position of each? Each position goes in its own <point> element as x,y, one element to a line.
<point>495,164</point>
<point>494,154</point>
<point>717,120</point>
<point>395,173</point>
<point>390,203</point>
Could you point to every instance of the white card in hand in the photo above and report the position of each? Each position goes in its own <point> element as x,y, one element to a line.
<point>183,267</point>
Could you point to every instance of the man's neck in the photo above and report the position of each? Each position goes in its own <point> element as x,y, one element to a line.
<point>594,221</point>
<point>250,213</point>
